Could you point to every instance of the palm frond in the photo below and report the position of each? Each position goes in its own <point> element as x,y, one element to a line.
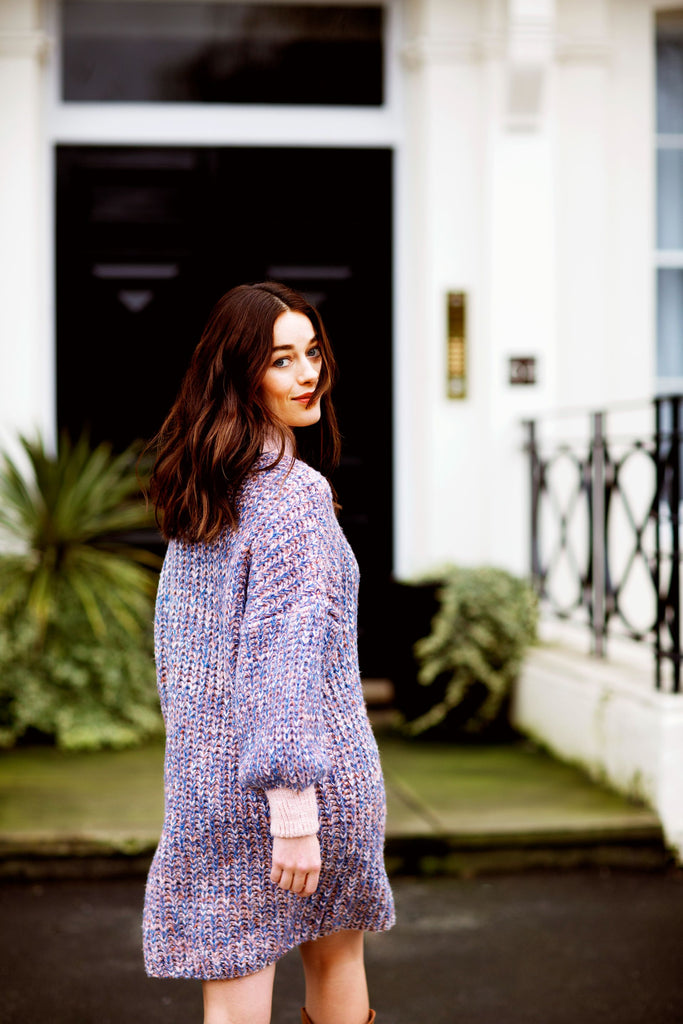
<point>20,504</point>
<point>69,513</point>
<point>76,597</point>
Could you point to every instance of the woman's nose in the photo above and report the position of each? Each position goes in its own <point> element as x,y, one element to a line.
<point>307,371</point>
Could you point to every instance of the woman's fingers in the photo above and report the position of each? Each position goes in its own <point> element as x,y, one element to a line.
<point>299,881</point>
<point>304,883</point>
<point>296,864</point>
<point>286,879</point>
<point>311,883</point>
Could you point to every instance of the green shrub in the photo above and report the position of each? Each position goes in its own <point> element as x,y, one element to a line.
<point>83,690</point>
<point>76,599</point>
<point>486,620</point>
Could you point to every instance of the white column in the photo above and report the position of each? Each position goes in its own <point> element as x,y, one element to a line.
<point>483,222</point>
<point>521,268</point>
<point>26,359</point>
<point>583,204</point>
<point>529,141</point>
<point>438,440</point>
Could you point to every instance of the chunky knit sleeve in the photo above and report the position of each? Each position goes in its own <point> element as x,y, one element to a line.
<point>280,656</point>
<point>293,813</point>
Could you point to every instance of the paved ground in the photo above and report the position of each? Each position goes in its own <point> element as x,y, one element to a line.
<point>450,808</point>
<point>584,947</point>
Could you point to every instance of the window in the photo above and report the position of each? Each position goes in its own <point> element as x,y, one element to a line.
<point>212,52</point>
<point>669,261</point>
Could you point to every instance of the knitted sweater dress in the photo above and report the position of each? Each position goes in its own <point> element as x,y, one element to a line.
<point>258,678</point>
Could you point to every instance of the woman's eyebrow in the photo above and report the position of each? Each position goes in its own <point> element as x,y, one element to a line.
<point>289,348</point>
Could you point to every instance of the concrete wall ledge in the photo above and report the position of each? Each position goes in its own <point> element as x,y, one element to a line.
<point>607,717</point>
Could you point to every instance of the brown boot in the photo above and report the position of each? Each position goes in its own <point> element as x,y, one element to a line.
<point>305,1019</point>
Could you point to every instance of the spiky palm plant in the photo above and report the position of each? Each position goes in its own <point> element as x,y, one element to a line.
<point>64,518</point>
<point>76,597</point>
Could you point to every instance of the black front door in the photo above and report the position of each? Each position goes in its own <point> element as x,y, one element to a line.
<point>149,238</point>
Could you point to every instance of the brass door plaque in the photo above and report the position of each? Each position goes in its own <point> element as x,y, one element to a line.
<point>456,352</point>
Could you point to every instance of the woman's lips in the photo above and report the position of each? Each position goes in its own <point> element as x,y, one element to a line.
<point>304,399</point>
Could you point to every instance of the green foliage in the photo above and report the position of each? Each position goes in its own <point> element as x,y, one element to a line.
<point>64,518</point>
<point>76,598</point>
<point>85,691</point>
<point>486,620</point>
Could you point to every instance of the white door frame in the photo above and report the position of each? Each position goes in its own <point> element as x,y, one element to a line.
<point>169,124</point>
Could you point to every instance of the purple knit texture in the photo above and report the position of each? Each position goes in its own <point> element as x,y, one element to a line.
<point>258,678</point>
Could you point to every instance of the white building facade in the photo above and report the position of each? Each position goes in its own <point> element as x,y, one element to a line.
<point>537,177</point>
<point>524,136</point>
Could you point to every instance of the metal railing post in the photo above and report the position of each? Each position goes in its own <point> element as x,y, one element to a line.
<point>609,586</point>
<point>675,590</point>
<point>598,529</point>
<point>659,494</point>
<point>534,477</point>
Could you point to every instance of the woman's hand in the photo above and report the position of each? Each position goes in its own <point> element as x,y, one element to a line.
<point>296,864</point>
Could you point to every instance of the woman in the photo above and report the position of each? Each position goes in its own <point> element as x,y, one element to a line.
<point>274,821</point>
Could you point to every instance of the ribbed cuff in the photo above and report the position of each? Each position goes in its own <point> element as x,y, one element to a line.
<point>293,813</point>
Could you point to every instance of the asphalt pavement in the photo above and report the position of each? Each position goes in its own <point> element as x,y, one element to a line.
<point>538,947</point>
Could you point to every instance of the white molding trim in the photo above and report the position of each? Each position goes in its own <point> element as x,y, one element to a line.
<point>580,49</point>
<point>197,124</point>
<point>577,49</point>
<point>185,124</point>
<point>669,259</point>
<point>33,44</point>
<point>452,49</point>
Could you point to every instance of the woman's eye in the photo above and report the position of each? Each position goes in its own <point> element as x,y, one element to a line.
<point>314,353</point>
<point>279,363</point>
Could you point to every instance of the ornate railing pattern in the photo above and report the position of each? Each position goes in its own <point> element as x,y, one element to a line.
<point>605,531</point>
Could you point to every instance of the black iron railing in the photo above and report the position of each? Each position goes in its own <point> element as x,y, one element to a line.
<point>605,530</point>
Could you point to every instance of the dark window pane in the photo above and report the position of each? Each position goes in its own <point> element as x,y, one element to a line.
<point>222,53</point>
<point>670,199</point>
<point>669,322</point>
<point>670,72</point>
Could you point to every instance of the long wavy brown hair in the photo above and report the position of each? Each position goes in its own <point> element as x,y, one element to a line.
<point>219,424</point>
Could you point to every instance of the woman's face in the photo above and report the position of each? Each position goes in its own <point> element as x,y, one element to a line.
<point>293,372</point>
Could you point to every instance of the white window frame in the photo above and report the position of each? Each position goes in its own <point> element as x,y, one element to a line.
<point>216,124</point>
<point>666,258</point>
<point>169,124</point>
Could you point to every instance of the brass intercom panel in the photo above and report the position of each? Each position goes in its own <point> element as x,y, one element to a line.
<point>457,345</point>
